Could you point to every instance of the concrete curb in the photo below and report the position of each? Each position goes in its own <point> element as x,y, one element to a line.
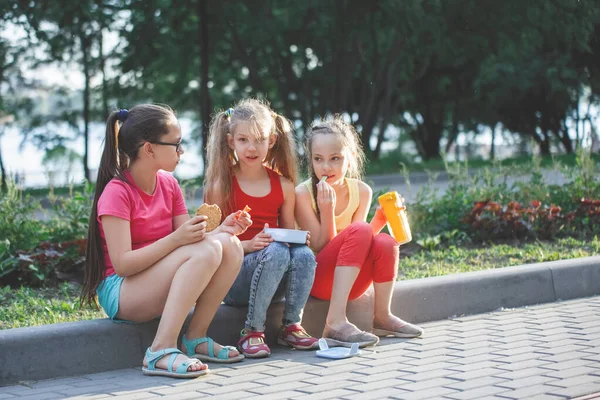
<point>99,345</point>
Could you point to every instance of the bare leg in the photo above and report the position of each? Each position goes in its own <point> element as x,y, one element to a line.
<point>170,287</point>
<point>383,317</point>
<point>383,300</point>
<point>343,280</point>
<point>209,301</point>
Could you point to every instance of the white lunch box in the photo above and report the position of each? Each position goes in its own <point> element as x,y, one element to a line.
<point>287,235</point>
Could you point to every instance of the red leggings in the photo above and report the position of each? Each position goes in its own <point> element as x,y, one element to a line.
<point>356,246</point>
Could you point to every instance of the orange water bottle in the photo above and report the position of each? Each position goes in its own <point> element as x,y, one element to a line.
<point>395,213</point>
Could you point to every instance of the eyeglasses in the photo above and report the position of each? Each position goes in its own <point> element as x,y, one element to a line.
<point>177,145</point>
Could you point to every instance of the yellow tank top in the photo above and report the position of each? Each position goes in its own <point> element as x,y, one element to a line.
<point>345,218</point>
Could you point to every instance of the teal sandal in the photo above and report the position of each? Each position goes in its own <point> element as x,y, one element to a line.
<point>181,371</point>
<point>222,357</point>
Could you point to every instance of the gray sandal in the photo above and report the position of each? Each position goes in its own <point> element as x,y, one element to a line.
<point>401,330</point>
<point>347,336</point>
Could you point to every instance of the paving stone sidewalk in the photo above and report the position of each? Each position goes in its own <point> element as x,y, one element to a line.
<point>550,351</point>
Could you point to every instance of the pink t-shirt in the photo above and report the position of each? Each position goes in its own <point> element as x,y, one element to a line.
<point>150,216</point>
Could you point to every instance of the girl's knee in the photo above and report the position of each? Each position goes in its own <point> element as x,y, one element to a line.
<point>231,245</point>
<point>277,254</point>
<point>361,229</point>
<point>206,254</point>
<point>303,256</point>
<point>384,241</point>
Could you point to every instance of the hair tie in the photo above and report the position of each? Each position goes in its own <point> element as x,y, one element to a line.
<point>122,115</point>
<point>228,112</point>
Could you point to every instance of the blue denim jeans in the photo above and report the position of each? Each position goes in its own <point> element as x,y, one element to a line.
<point>270,274</point>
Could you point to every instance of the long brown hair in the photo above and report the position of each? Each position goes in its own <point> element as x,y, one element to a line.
<point>126,132</point>
<point>221,160</point>
<point>335,125</point>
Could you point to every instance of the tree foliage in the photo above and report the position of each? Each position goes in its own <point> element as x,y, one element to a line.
<point>430,68</point>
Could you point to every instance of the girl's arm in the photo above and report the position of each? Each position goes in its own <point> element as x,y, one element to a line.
<point>215,193</point>
<point>179,220</point>
<point>286,214</point>
<point>128,262</point>
<point>320,232</point>
<point>365,196</point>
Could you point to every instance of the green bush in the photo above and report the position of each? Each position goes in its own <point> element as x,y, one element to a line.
<point>450,217</point>
<point>34,252</point>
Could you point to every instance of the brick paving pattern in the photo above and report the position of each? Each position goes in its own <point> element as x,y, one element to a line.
<point>550,351</point>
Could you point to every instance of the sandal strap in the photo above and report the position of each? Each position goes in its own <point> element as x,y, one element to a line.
<point>154,356</point>
<point>191,344</point>
<point>224,352</point>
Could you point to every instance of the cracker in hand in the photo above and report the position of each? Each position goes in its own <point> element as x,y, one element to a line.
<point>213,215</point>
<point>246,209</point>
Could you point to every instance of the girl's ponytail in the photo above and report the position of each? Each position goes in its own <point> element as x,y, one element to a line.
<point>108,169</point>
<point>219,161</point>
<point>283,157</point>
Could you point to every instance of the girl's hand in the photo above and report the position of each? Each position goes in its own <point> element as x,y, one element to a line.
<point>379,215</point>
<point>236,223</point>
<point>325,196</point>
<point>260,241</point>
<point>308,239</point>
<point>191,231</point>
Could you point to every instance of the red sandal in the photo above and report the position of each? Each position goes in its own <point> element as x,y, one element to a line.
<point>252,344</point>
<point>295,336</point>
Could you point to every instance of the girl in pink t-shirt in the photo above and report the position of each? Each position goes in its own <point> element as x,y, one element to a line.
<point>146,257</point>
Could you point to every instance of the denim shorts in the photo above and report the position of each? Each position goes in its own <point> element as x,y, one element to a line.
<point>108,295</point>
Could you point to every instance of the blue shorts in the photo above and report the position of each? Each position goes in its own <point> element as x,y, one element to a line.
<point>108,295</point>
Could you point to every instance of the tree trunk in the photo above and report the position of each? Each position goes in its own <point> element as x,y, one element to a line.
<point>545,145</point>
<point>2,170</point>
<point>562,134</point>
<point>493,146</point>
<point>105,111</point>
<point>577,120</point>
<point>380,137</point>
<point>454,131</point>
<point>205,100</point>
<point>431,150</point>
<point>85,49</point>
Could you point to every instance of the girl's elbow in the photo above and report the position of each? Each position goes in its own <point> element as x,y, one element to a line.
<point>120,269</point>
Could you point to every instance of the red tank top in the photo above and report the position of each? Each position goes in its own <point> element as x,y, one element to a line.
<point>265,210</point>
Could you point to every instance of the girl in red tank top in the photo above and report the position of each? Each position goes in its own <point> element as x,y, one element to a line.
<point>251,158</point>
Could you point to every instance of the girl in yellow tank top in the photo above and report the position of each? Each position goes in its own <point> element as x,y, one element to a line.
<point>344,219</point>
<point>352,254</point>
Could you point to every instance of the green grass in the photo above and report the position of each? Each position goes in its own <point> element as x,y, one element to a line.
<point>40,306</point>
<point>34,306</point>
<point>454,259</point>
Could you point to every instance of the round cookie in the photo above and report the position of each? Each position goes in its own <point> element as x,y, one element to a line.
<point>213,214</point>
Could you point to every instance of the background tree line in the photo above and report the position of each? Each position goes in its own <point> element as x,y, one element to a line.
<point>430,68</point>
